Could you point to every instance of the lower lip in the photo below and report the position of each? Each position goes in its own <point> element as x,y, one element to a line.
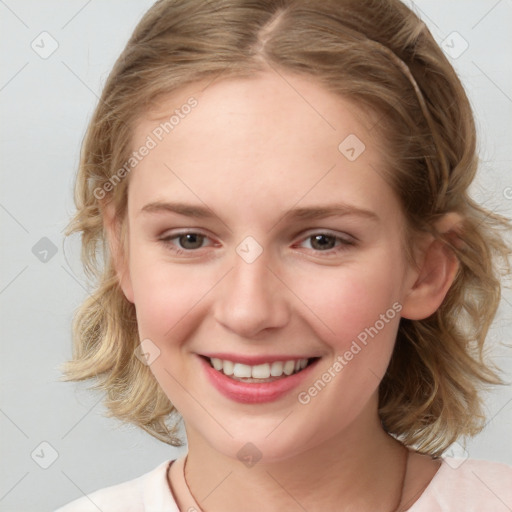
<point>255,393</point>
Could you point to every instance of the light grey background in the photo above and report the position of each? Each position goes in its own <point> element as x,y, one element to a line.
<point>45,106</point>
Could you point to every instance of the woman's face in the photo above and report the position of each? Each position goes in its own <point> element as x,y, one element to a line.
<point>259,232</point>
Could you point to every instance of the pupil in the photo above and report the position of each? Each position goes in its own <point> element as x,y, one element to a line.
<point>191,241</point>
<point>323,242</point>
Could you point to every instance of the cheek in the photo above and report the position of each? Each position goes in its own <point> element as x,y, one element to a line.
<point>353,303</point>
<point>164,294</point>
<point>167,301</point>
<point>356,313</point>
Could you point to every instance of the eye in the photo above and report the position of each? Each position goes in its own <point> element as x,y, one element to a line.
<point>186,241</point>
<point>322,242</point>
<point>191,240</point>
<point>327,242</point>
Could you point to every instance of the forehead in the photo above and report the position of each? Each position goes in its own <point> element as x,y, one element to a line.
<point>274,106</point>
<point>274,138</point>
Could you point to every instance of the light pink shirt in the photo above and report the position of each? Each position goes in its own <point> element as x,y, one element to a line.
<point>458,486</point>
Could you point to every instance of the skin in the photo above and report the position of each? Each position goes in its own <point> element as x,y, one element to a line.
<point>252,150</point>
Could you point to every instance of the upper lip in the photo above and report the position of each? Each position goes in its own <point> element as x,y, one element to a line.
<point>255,360</point>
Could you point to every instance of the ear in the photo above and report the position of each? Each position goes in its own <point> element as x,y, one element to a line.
<point>436,273</point>
<point>118,248</point>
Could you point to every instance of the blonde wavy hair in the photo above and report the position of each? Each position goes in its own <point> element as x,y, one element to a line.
<point>377,53</point>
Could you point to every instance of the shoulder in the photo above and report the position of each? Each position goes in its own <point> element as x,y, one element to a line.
<point>468,484</point>
<point>147,493</point>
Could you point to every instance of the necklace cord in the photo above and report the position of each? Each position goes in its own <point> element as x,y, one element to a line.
<point>404,474</point>
<point>395,509</point>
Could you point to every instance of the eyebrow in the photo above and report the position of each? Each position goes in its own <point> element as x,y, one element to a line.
<point>188,210</point>
<point>334,210</point>
<point>305,213</point>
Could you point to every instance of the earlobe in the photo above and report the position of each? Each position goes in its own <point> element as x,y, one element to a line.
<point>436,274</point>
<point>117,247</point>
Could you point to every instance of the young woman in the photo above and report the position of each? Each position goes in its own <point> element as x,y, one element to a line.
<point>292,262</point>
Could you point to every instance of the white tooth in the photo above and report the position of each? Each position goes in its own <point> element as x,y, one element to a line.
<point>261,371</point>
<point>288,368</point>
<point>227,367</point>
<point>276,369</point>
<point>242,370</point>
<point>216,363</point>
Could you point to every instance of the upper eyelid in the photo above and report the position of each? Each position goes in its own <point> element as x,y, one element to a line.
<point>195,231</point>
<point>326,231</point>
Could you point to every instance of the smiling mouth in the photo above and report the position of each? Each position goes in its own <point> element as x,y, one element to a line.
<point>260,373</point>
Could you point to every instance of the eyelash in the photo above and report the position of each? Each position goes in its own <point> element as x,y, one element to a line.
<point>341,243</point>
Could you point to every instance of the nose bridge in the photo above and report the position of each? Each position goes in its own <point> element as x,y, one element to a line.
<point>252,298</point>
<point>251,278</point>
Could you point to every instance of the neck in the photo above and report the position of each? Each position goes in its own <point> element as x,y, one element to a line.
<point>357,469</point>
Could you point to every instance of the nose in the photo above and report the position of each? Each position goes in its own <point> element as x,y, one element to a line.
<point>251,299</point>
